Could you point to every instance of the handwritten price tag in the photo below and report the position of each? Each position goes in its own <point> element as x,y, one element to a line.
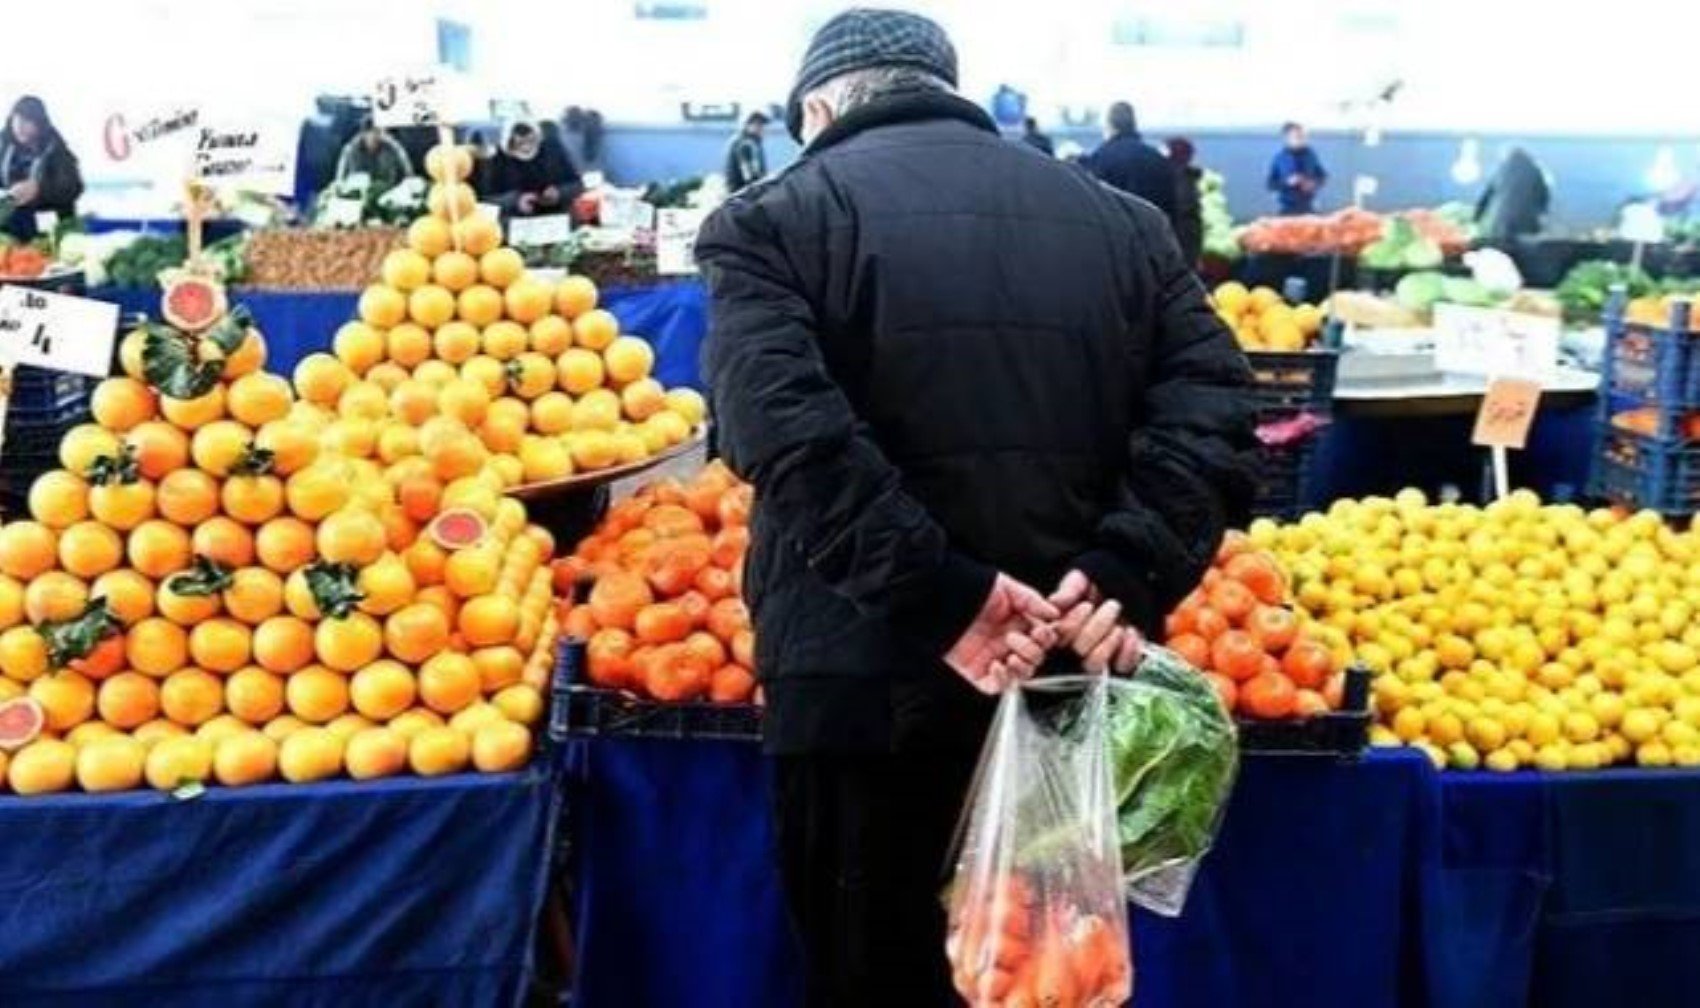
<point>1488,342</point>
<point>549,229</point>
<point>58,331</point>
<point>1507,413</point>
<point>676,241</point>
<point>408,100</point>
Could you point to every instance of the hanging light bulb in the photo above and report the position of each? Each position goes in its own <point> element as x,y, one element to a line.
<point>1467,170</point>
<point>1663,174</point>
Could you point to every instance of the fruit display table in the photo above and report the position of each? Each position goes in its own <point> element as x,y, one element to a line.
<point>673,316</point>
<point>404,891</point>
<point>1375,883</point>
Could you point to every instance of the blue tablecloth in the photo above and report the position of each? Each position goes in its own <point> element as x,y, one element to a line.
<point>1334,885</point>
<point>398,892</point>
<point>672,316</point>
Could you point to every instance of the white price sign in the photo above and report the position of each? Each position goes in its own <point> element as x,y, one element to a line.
<point>549,229</point>
<point>249,156</point>
<point>344,212</point>
<point>491,210</point>
<point>414,99</point>
<point>1491,342</point>
<point>676,241</point>
<point>57,331</point>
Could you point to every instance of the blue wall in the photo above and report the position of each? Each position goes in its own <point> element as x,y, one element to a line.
<point>1592,175</point>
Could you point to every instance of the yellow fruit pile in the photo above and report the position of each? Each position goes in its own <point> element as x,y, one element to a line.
<point>1262,321</point>
<point>1514,635</point>
<point>256,605</point>
<point>459,355</point>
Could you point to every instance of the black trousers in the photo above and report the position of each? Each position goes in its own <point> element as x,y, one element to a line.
<point>863,847</point>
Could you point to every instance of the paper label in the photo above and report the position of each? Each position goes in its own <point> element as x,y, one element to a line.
<point>414,99</point>
<point>1489,342</point>
<point>676,241</point>
<point>490,210</point>
<point>57,331</point>
<point>245,156</point>
<point>549,229</point>
<point>46,221</point>
<point>344,212</point>
<point>1507,413</point>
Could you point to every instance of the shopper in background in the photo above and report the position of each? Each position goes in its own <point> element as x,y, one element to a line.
<point>1515,200</point>
<point>1033,137</point>
<point>1189,210</point>
<point>1127,162</point>
<point>1296,173</point>
<point>374,153</point>
<point>746,159</point>
<point>951,401</point>
<point>37,171</point>
<point>531,175</point>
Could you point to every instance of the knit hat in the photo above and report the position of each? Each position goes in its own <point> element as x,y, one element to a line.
<point>862,38</point>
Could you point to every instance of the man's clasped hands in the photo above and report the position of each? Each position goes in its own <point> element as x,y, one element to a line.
<point>1017,626</point>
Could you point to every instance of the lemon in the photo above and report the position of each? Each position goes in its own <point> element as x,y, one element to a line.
<point>1552,756</point>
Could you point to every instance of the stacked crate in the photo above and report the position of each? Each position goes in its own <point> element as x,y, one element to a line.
<point>1647,435</point>
<point>1287,384</point>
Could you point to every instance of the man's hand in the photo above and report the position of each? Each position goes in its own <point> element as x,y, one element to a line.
<point>1093,628</point>
<point>527,203</point>
<point>551,196</point>
<point>1008,639</point>
<point>24,193</point>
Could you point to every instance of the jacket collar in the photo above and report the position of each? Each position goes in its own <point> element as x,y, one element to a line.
<point>901,107</point>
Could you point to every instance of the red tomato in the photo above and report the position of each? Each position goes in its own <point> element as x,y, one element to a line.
<point>1268,696</point>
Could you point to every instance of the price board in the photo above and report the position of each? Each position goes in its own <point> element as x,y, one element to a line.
<point>548,229</point>
<point>60,332</point>
<point>1489,342</point>
<point>410,99</point>
<point>1507,413</point>
<point>676,241</point>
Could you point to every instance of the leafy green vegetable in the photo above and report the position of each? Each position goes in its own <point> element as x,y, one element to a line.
<point>1420,291</point>
<point>1585,289</point>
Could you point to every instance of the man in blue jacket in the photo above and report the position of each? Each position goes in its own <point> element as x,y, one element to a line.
<point>1296,173</point>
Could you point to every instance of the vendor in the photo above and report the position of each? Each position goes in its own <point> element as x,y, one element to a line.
<point>1296,173</point>
<point>374,153</point>
<point>38,171</point>
<point>532,174</point>
<point>1515,200</point>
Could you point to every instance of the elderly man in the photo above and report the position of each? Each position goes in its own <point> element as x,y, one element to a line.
<point>987,410</point>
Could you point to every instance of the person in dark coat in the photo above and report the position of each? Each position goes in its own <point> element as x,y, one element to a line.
<point>746,159</point>
<point>1034,137</point>
<point>987,409</point>
<point>1126,161</point>
<point>38,173</point>
<point>1296,173</point>
<point>532,175</point>
<point>377,155</point>
<point>1515,200</point>
<point>1189,209</point>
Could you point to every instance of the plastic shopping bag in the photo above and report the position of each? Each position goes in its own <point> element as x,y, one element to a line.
<point>1037,917</point>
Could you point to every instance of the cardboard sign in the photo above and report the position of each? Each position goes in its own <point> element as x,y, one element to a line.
<point>621,208</point>
<point>1489,342</point>
<point>58,331</point>
<point>1507,413</point>
<point>549,229</point>
<point>255,157</point>
<point>676,241</point>
<point>414,99</point>
<point>344,212</point>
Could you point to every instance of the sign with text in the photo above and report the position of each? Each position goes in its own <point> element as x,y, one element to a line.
<point>411,99</point>
<point>676,241</point>
<point>1507,413</point>
<point>130,135</point>
<point>250,156</point>
<point>343,212</point>
<point>57,331</point>
<point>1488,342</point>
<point>624,208</point>
<point>548,229</point>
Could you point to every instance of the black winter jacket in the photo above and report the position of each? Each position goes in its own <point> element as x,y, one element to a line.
<point>938,355</point>
<point>1136,168</point>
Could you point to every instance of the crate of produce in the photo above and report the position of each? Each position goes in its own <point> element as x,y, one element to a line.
<point>1344,732</point>
<point>1646,472</point>
<point>1302,379</point>
<point>580,710</point>
<point>1654,364</point>
<point>1284,483</point>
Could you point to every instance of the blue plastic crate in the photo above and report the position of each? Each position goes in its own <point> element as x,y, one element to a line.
<point>1645,472</point>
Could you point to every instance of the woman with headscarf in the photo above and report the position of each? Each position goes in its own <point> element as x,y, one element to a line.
<point>532,174</point>
<point>1189,210</point>
<point>37,171</point>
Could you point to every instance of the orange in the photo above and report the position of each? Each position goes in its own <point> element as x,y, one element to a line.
<point>175,761</point>
<point>457,457</point>
<point>27,549</point>
<point>85,443</point>
<point>128,594</point>
<point>488,619</point>
<point>89,549</point>
<point>642,399</point>
<point>254,595</point>
<point>413,402</point>
<point>386,584</point>
<point>477,234</point>
<point>375,752</point>
<point>252,500</point>
<point>448,682</point>
<point>531,375</point>
<point>358,346</point>
<point>505,339</point>
<point>544,458</point>
<point>347,725</point>
<point>282,726</point>
<point>595,329</point>
<point>689,405</point>
<point>351,536</point>
<point>66,698</point>
<point>320,378</point>
<point>283,644</point>
<point>284,544</point>
<point>473,571</point>
<point>224,540</point>
<point>580,370</point>
<point>431,306</point>
<point>396,441</point>
<point>118,404</point>
<point>487,370</point>
<point>429,237</point>
<point>243,759</point>
<point>156,646</point>
<point>470,719</point>
<point>310,754</point>
<point>191,696</point>
<point>628,359</point>
<point>382,306</point>
<point>448,163</point>
<point>662,623</point>
<point>254,695</point>
<point>503,430</point>
<point>181,609</point>
<point>111,764</point>
<point>157,730</point>
<point>455,271</point>
<point>317,491</point>
<point>220,645</point>
<point>55,597</point>
<point>363,400</point>
<point>451,201</point>
<point>528,300</point>
<point>551,336</point>
<point>416,632</point>
<point>519,703</point>
<point>348,643</point>
<point>500,747</point>
<point>412,722</point>
<point>11,602</point>
<point>158,549</point>
<point>218,446</point>
<point>90,731</point>
<point>437,751</point>
<point>187,497</point>
<point>42,767</point>
<point>259,399</point>
<point>405,269</point>
<point>293,445</point>
<point>127,700</point>
<point>351,437</point>
<point>617,598</point>
<point>316,694</point>
<point>480,305</point>
<point>426,561</point>
<point>222,727</point>
<point>464,399</point>
<point>388,374</point>
<point>498,667</point>
<point>456,342</point>
<point>382,690</point>
<point>407,345</point>
<point>191,414</point>
<point>159,448</point>
<point>598,410</point>
<point>574,296</point>
<point>500,267</point>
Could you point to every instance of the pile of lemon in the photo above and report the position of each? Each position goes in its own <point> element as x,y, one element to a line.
<point>1262,321</point>
<point>462,356</point>
<point>1513,635</point>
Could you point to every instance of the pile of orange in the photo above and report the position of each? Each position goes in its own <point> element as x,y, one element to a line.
<point>1239,627</point>
<point>460,357</point>
<point>656,591</point>
<point>207,591</point>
